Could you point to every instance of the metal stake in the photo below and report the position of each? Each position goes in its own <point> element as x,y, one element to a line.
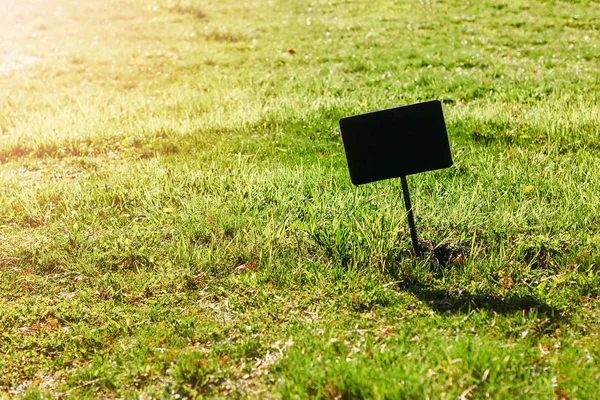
<point>411,218</point>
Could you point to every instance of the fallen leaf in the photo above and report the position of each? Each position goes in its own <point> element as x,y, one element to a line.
<point>386,331</point>
<point>52,323</point>
<point>561,394</point>
<point>199,276</point>
<point>460,259</point>
<point>507,282</point>
<point>245,267</point>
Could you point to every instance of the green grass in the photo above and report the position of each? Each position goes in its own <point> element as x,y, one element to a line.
<point>177,219</point>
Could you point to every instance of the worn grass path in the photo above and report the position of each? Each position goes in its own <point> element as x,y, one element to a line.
<point>176,217</point>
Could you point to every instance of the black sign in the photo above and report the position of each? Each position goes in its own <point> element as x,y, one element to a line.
<point>396,142</point>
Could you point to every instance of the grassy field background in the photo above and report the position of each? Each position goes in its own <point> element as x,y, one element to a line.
<point>177,219</point>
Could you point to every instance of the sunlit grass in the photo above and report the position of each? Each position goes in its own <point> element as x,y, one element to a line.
<point>176,216</point>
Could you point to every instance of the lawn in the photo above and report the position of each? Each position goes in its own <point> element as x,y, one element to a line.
<point>177,219</point>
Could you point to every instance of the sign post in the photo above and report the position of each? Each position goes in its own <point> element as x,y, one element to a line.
<point>411,218</point>
<point>395,143</point>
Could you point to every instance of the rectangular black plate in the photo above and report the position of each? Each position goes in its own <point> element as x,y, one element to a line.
<point>396,142</point>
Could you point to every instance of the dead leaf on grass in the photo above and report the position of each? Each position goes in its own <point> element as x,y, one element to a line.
<point>242,269</point>
<point>561,394</point>
<point>506,282</point>
<point>460,259</point>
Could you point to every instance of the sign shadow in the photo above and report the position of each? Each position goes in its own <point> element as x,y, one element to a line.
<point>462,302</point>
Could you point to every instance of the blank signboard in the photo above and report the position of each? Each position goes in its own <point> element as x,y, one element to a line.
<point>396,142</point>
